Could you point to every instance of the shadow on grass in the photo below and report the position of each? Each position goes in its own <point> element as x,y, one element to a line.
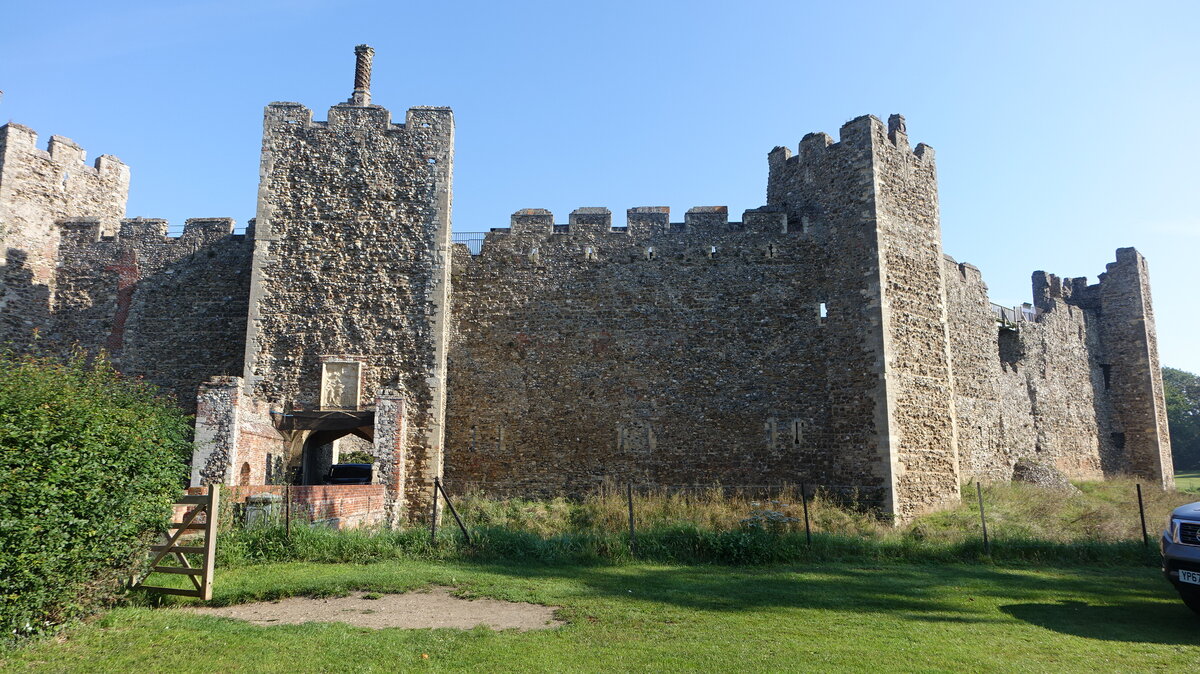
<point>1121,604</point>
<point>1142,622</point>
<point>1117,605</point>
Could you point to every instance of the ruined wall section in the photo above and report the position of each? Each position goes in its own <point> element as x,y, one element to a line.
<point>1134,375</point>
<point>171,310</point>
<point>1075,386</point>
<point>1059,355</point>
<point>37,189</point>
<point>351,259</point>
<point>653,352</point>
<point>991,395</point>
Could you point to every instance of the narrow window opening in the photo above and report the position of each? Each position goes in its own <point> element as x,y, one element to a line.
<point>650,253</point>
<point>589,253</point>
<point>244,479</point>
<point>822,313</point>
<point>425,125</point>
<point>712,252</point>
<point>1118,440</point>
<point>797,432</point>
<point>770,250</point>
<point>430,160</point>
<point>474,436</point>
<point>1009,344</point>
<point>1107,371</point>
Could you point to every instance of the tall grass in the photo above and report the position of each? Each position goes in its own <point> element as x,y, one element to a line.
<point>1097,525</point>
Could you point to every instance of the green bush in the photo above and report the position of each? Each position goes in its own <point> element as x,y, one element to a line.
<point>89,464</point>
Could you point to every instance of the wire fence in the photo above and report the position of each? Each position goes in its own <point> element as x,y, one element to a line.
<point>1116,513</point>
<point>627,513</point>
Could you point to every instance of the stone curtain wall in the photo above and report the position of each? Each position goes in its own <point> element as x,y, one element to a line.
<point>652,352</point>
<point>172,310</point>
<point>1030,391</point>
<point>37,189</point>
<point>824,338</point>
<point>351,260</point>
<point>1073,388</point>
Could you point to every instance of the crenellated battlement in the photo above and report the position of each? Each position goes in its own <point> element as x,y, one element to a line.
<point>1049,288</point>
<point>418,119</point>
<point>77,233</point>
<point>864,133</point>
<point>648,233</point>
<point>59,150</point>
<point>643,222</point>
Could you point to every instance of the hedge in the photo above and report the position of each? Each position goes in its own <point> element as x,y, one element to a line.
<point>89,464</point>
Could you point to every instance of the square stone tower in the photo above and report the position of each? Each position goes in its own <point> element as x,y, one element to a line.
<point>870,202</point>
<point>349,290</point>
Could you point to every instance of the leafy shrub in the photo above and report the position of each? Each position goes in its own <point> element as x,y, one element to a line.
<point>89,464</point>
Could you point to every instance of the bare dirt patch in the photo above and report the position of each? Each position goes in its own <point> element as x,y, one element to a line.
<point>435,608</point>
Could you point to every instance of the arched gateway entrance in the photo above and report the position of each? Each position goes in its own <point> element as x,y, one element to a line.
<point>317,433</point>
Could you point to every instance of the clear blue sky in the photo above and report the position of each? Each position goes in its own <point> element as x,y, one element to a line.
<point>1063,130</point>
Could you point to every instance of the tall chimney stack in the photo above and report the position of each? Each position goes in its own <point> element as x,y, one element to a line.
<point>362,75</point>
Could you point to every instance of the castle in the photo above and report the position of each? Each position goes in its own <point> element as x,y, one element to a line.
<point>824,337</point>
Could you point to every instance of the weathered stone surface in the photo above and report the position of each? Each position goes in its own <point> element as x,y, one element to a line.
<point>1042,475</point>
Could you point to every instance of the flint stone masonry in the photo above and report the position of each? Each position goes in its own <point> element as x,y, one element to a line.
<point>37,188</point>
<point>823,337</point>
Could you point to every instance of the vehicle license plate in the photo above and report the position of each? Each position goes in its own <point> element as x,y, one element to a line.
<point>1192,577</point>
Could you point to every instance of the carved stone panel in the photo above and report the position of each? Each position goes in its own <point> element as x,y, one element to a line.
<point>341,385</point>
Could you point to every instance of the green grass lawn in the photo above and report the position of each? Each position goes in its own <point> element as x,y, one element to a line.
<point>646,617</point>
<point>1188,481</point>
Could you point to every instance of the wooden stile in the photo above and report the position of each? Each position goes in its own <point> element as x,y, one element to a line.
<point>201,577</point>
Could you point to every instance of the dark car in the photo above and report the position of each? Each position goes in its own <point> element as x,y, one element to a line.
<point>349,473</point>
<point>1181,553</point>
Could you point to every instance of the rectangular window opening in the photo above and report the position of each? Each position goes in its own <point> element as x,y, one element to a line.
<point>1107,371</point>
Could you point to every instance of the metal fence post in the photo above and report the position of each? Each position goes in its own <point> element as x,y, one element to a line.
<point>433,515</point>
<point>1142,513</point>
<point>450,505</point>
<point>987,545</point>
<point>287,509</point>
<point>804,500</point>
<point>632,532</point>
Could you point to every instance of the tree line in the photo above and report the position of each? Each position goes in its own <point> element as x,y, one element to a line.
<point>1182,391</point>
